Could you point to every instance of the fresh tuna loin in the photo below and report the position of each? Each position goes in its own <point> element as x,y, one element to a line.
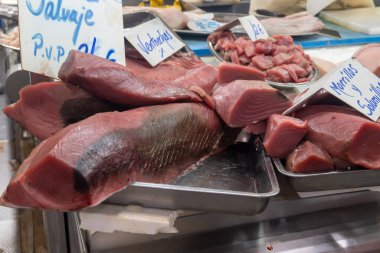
<point>308,157</point>
<point>283,135</point>
<point>46,108</point>
<point>84,163</point>
<point>228,72</point>
<point>347,137</point>
<point>122,85</point>
<point>244,102</point>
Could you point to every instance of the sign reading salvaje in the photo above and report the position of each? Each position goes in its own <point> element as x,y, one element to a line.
<point>49,29</point>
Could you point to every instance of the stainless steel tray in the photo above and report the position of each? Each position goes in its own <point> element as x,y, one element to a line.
<point>332,180</point>
<point>239,180</point>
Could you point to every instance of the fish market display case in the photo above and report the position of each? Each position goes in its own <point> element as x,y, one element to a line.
<point>239,200</point>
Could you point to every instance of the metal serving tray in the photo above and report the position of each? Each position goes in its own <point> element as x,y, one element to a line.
<point>239,180</point>
<point>332,180</point>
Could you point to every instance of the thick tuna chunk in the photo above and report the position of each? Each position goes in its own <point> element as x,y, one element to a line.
<point>308,157</point>
<point>84,163</point>
<point>243,102</point>
<point>365,147</point>
<point>256,128</point>
<point>46,108</point>
<point>121,85</point>
<point>283,134</point>
<point>312,111</point>
<point>341,135</point>
<point>228,72</point>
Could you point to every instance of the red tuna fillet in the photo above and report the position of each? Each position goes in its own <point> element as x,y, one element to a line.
<point>46,108</point>
<point>365,147</point>
<point>243,102</point>
<point>119,84</point>
<point>256,128</point>
<point>168,70</point>
<point>283,134</point>
<point>339,134</point>
<point>308,157</point>
<point>228,72</point>
<point>312,111</point>
<point>88,161</point>
<point>369,57</point>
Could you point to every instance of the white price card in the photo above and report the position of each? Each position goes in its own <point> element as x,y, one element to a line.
<point>253,27</point>
<point>356,86</point>
<point>50,29</point>
<point>154,41</point>
<point>350,82</point>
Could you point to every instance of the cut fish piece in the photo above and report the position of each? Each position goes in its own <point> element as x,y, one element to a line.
<point>340,134</point>
<point>365,147</point>
<point>256,128</point>
<point>228,72</point>
<point>86,162</point>
<point>121,85</point>
<point>46,108</point>
<point>242,102</point>
<point>307,158</point>
<point>283,134</point>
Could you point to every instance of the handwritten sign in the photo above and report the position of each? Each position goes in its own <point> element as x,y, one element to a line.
<point>50,29</point>
<point>203,25</point>
<point>253,27</point>
<point>353,84</point>
<point>154,40</point>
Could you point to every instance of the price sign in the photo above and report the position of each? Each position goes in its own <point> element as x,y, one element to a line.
<point>253,27</point>
<point>154,41</point>
<point>50,29</point>
<point>203,25</point>
<point>353,84</point>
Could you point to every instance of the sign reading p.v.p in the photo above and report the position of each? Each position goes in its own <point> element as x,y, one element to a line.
<point>49,29</point>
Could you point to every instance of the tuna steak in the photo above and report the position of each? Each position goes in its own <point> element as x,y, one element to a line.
<point>46,108</point>
<point>347,137</point>
<point>228,72</point>
<point>243,102</point>
<point>121,85</point>
<point>283,134</point>
<point>86,162</point>
<point>308,157</point>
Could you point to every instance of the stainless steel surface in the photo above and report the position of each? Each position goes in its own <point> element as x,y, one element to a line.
<point>332,180</point>
<point>283,214</point>
<point>241,176</point>
<point>338,230</point>
<point>55,227</point>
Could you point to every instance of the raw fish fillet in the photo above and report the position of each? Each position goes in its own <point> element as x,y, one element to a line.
<point>121,85</point>
<point>46,108</point>
<point>308,157</point>
<point>241,103</point>
<point>283,134</point>
<point>86,162</point>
